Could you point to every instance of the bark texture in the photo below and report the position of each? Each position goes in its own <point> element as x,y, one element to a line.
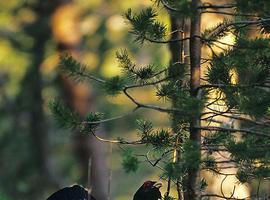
<point>176,50</point>
<point>193,180</point>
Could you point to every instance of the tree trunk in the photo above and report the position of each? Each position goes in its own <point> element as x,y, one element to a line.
<point>193,182</point>
<point>176,50</point>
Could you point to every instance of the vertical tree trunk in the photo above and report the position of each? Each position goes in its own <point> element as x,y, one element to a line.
<point>193,181</point>
<point>176,50</point>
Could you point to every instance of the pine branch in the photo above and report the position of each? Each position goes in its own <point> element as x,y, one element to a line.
<point>246,120</point>
<point>64,116</point>
<point>74,69</point>
<point>218,30</point>
<point>139,74</point>
<point>144,25</point>
<point>109,119</point>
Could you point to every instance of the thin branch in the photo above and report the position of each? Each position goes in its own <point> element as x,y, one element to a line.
<point>247,120</point>
<point>212,6</point>
<point>115,141</point>
<point>233,86</point>
<point>168,7</point>
<point>147,84</point>
<point>220,42</point>
<point>166,41</point>
<point>92,77</point>
<point>218,172</point>
<point>149,106</point>
<point>232,130</point>
<point>219,196</point>
<point>258,188</point>
<point>110,119</point>
<point>245,23</point>
<point>228,13</point>
<point>221,189</point>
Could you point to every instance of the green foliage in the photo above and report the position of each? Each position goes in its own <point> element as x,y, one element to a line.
<point>3,197</point>
<point>157,138</point>
<point>265,27</point>
<point>91,124</point>
<point>144,127</point>
<point>69,119</point>
<point>125,62</point>
<point>187,106</point>
<point>177,71</point>
<point>217,32</point>
<point>203,185</point>
<point>249,60</point>
<point>209,162</point>
<point>138,74</point>
<point>251,148</point>
<point>247,173</point>
<point>71,67</point>
<point>191,155</point>
<point>242,176</point>
<point>63,115</point>
<point>165,91</point>
<point>181,8</point>
<point>190,159</point>
<point>262,172</point>
<point>130,163</point>
<point>114,85</point>
<point>261,7</point>
<point>144,25</point>
<point>174,170</point>
<point>143,74</point>
<point>219,70</point>
<point>254,101</point>
<point>166,197</point>
<point>217,138</point>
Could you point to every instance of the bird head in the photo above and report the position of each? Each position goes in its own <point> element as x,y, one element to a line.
<point>148,191</point>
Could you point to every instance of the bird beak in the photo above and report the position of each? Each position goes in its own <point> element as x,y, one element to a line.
<point>157,185</point>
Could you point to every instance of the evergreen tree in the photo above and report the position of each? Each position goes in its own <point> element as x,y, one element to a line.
<point>234,87</point>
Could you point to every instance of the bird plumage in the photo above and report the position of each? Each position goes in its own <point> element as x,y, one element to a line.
<point>76,192</point>
<point>148,191</point>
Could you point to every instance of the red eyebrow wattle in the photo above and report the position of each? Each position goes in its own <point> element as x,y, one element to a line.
<point>147,183</point>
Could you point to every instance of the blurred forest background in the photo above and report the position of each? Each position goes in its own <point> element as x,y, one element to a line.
<point>37,157</point>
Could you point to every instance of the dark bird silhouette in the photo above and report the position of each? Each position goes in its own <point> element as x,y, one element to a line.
<point>148,191</point>
<point>76,192</point>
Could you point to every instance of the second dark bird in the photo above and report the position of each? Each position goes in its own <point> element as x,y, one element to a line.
<point>148,191</point>
<point>76,192</point>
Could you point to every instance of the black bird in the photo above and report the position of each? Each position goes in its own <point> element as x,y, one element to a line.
<point>148,191</point>
<point>76,192</point>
